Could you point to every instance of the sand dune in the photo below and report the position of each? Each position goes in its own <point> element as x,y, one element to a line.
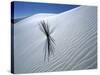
<point>75,34</point>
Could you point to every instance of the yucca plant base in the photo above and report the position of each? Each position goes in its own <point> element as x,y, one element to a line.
<point>52,37</point>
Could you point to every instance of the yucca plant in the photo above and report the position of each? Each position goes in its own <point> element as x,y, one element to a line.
<point>50,42</point>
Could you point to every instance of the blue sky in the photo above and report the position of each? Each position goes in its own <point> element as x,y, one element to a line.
<point>24,9</point>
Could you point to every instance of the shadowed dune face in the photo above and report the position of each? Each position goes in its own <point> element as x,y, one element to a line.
<point>67,41</point>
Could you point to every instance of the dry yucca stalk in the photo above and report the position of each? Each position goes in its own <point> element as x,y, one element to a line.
<point>50,42</point>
